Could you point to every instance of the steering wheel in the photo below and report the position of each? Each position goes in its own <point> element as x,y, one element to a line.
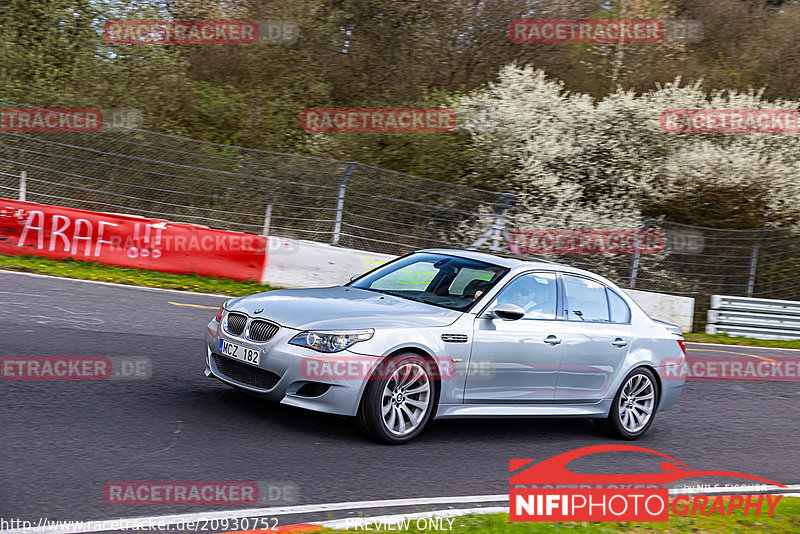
<point>441,299</point>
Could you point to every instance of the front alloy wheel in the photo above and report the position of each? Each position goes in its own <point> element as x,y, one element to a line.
<point>634,406</point>
<point>398,402</point>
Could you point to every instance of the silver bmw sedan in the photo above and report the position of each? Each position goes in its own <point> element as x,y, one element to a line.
<point>448,333</point>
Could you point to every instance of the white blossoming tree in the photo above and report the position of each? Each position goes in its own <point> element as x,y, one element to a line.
<point>581,164</point>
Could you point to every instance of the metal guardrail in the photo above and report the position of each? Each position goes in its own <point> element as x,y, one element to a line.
<point>784,307</point>
<point>764,320</point>
<point>752,317</point>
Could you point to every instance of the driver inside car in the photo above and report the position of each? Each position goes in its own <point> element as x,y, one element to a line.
<point>535,297</point>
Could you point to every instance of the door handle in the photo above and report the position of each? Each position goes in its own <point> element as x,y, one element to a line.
<point>552,340</point>
<point>619,342</point>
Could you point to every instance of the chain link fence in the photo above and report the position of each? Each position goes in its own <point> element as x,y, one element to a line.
<point>699,262</point>
<point>127,170</point>
<point>161,176</point>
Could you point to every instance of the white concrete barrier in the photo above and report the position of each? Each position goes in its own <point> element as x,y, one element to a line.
<point>298,263</point>
<point>672,308</point>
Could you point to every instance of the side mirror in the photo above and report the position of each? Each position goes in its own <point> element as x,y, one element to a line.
<point>354,277</point>
<point>508,312</point>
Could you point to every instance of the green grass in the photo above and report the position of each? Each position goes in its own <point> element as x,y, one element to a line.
<point>87,270</point>
<point>723,339</point>
<point>785,519</point>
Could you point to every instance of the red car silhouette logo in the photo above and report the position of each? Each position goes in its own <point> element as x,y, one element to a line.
<point>554,470</point>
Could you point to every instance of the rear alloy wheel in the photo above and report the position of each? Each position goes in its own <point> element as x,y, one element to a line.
<point>397,404</point>
<point>634,406</point>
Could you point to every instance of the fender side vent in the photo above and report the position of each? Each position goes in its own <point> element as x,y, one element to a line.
<point>454,338</point>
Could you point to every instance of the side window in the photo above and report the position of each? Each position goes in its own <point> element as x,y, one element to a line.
<point>620,312</point>
<point>586,299</point>
<point>535,293</point>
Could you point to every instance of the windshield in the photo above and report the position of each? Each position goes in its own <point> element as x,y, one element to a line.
<point>437,279</point>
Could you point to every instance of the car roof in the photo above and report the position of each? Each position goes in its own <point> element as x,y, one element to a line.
<point>516,265</point>
<point>509,262</point>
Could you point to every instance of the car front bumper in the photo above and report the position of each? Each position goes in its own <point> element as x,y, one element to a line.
<point>293,367</point>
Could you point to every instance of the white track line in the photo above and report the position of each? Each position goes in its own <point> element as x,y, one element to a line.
<point>688,343</point>
<point>114,524</point>
<point>56,277</point>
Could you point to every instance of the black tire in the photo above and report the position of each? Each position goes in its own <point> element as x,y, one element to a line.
<point>370,412</point>
<point>613,424</point>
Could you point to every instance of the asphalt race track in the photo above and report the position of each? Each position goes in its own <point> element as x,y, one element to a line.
<point>62,441</point>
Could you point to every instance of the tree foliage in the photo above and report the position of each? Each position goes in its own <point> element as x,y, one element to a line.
<point>581,163</point>
<point>410,53</point>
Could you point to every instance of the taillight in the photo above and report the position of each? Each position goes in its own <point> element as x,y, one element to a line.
<point>218,318</point>
<point>680,342</point>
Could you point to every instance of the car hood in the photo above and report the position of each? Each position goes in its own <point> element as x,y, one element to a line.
<point>339,307</point>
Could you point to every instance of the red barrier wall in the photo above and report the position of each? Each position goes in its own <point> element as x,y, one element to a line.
<point>128,241</point>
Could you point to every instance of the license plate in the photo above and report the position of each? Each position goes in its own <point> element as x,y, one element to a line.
<point>232,350</point>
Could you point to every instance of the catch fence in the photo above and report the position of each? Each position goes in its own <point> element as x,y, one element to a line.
<point>128,170</point>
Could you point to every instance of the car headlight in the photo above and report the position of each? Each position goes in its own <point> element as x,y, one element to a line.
<point>221,310</point>
<point>334,341</point>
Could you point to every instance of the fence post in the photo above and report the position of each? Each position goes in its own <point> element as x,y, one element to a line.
<point>751,279</point>
<point>636,252</point>
<point>267,220</point>
<point>337,225</point>
<point>497,231</point>
<point>23,185</point>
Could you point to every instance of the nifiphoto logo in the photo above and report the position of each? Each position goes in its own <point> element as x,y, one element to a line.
<point>548,490</point>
